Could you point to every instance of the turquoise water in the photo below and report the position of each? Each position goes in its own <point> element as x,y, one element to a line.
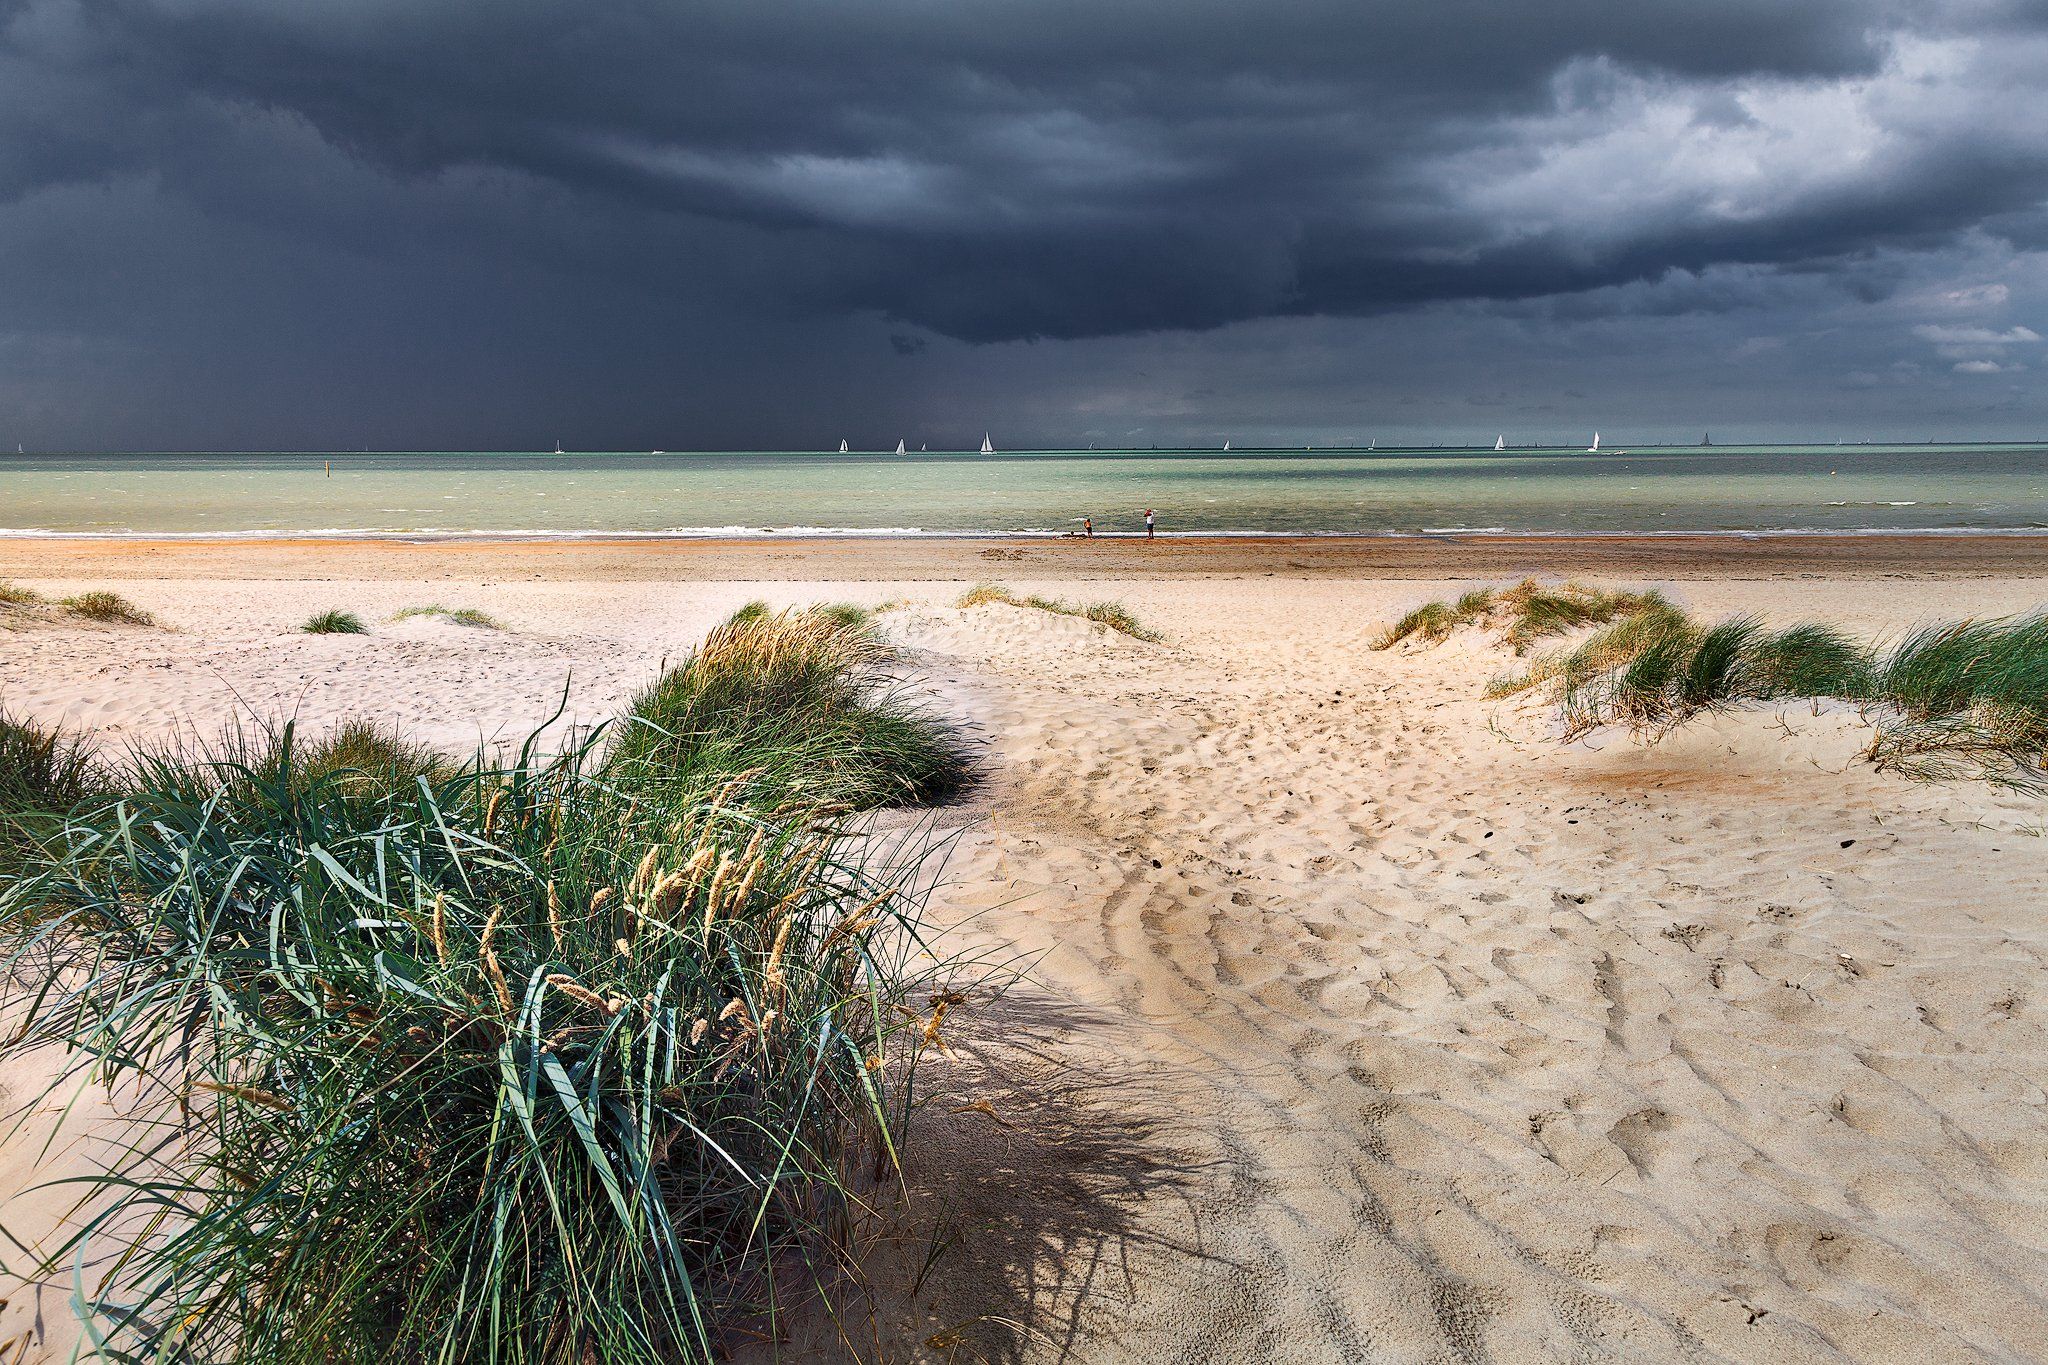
<point>1723,488</point>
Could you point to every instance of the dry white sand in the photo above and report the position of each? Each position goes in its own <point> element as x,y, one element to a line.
<point>1362,1020</point>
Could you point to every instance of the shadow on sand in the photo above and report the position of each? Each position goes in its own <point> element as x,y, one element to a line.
<point>1017,1226</point>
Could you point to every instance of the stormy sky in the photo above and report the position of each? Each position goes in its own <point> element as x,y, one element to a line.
<point>703,224</point>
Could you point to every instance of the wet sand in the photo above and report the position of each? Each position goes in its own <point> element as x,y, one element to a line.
<point>950,559</point>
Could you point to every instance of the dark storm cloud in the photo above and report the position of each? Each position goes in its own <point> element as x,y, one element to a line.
<point>646,181</point>
<point>992,171</point>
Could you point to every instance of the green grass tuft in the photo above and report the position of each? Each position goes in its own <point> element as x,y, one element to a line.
<point>1119,619</point>
<point>1430,622</point>
<point>1525,612</point>
<point>849,614</point>
<point>335,623</point>
<point>461,616</point>
<point>109,607</point>
<point>561,1060</point>
<point>981,594</point>
<point>1111,614</point>
<point>800,701</point>
<point>14,595</point>
<point>1967,697</point>
<point>45,773</point>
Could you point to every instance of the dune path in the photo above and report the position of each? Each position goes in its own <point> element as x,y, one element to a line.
<point>1370,1024</point>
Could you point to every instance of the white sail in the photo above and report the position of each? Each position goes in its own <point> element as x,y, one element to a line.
<point>842,447</point>
<point>899,448</point>
<point>1500,442</point>
<point>986,447</point>
<point>1226,445</point>
<point>1594,448</point>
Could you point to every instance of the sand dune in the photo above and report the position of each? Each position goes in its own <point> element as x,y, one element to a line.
<point>1360,1020</point>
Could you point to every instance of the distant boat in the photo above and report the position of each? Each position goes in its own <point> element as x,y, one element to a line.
<point>986,447</point>
<point>1226,445</point>
<point>1373,444</point>
<point>657,452</point>
<point>899,448</point>
<point>1594,449</point>
<point>842,447</point>
<point>558,447</point>
<point>1500,442</point>
<point>1706,438</point>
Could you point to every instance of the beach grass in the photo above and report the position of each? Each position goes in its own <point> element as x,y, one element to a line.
<point>849,614</point>
<point>14,595</point>
<point>335,623</point>
<point>108,607</point>
<point>801,700</point>
<point>1966,698</point>
<point>45,773</point>
<point>1524,612</point>
<point>1971,697</point>
<point>1111,614</point>
<point>357,758</point>
<point>545,1061</point>
<point>461,616</point>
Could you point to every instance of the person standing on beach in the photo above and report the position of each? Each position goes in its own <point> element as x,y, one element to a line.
<point>1148,523</point>
<point>1088,527</point>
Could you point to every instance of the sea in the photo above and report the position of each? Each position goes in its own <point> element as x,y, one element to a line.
<point>1956,488</point>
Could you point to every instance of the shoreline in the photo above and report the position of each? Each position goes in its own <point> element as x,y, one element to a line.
<point>978,557</point>
<point>805,534</point>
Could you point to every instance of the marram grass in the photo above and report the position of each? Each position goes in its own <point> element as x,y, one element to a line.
<point>1524,612</point>
<point>109,607</point>
<point>1111,614</point>
<point>461,616</point>
<point>545,1062</point>
<point>335,623</point>
<point>45,773</point>
<point>802,700</point>
<point>848,614</point>
<point>1967,698</point>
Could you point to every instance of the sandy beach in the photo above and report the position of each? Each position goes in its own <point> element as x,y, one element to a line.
<point>1354,1017</point>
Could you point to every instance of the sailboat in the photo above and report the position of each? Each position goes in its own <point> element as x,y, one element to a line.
<point>899,448</point>
<point>1594,449</point>
<point>1373,444</point>
<point>1500,442</point>
<point>1706,438</point>
<point>1226,445</point>
<point>558,445</point>
<point>986,447</point>
<point>842,447</point>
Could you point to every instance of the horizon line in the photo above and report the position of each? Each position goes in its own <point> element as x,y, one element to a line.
<point>1616,447</point>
